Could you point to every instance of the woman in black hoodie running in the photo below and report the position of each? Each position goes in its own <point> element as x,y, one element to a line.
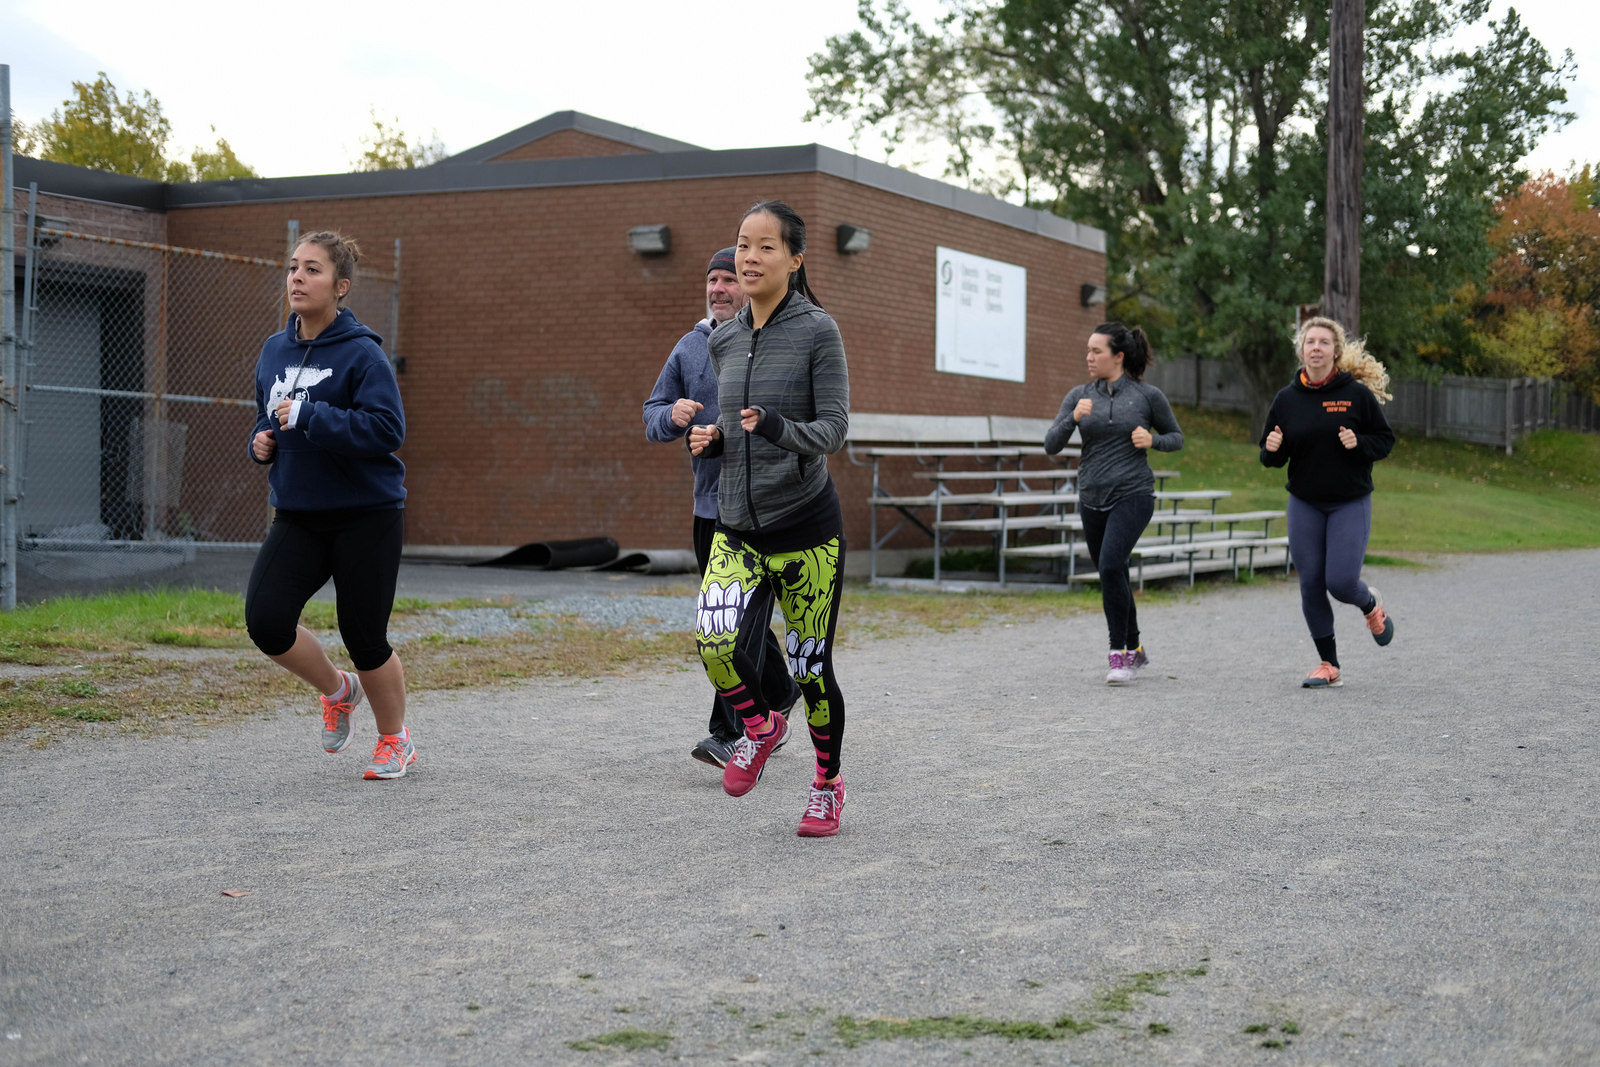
<point>1328,426</point>
<point>784,391</point>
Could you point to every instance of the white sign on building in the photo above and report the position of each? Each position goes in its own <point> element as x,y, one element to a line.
<point>982,317</point>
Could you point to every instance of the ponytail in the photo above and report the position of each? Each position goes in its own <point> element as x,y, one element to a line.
<point>1131,343</point>
<point>797,280</point>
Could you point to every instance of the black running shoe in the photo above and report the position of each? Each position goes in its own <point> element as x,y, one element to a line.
<point>713,750</point>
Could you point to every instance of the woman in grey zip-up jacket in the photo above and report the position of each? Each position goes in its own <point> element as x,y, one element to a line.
<point>784,393</point>
<point>1119,419</point>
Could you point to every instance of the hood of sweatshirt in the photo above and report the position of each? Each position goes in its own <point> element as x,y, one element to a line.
<point>344,327</point>
<point>1340,377</point>
<point>793,306</point>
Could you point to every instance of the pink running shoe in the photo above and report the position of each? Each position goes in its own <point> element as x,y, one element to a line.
<point>750,758</point>
<point>1121,672</point>
<point>822,811</point>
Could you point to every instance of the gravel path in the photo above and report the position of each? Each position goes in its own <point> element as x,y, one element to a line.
<point>1405,870</point>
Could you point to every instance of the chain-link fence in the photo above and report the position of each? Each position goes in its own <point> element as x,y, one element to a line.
<point>137,398</point>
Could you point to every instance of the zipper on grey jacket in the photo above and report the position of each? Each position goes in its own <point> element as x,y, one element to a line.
<point>749,474</point>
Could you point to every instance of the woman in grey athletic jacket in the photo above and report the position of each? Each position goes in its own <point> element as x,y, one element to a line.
<point>784,393</point>
<point>1119,419</point>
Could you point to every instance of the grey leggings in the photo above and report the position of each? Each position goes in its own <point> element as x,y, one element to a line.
<point>1328,542</point>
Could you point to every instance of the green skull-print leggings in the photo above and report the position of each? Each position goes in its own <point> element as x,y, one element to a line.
<point>808,584</point>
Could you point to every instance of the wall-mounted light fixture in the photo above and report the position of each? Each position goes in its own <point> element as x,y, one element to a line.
<point>45,222</point>
<point>650,240</point>
<point>1092,294</point>
<point>853,239</point>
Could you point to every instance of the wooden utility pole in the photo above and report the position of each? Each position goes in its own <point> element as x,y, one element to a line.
<point>1341,275</point>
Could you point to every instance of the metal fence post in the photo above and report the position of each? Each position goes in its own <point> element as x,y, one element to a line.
<point>395,357</point>
<point>8,354</point>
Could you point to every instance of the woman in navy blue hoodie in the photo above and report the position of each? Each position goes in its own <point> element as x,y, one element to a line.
<point>328,421</point>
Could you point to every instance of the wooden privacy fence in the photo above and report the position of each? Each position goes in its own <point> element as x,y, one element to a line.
<point>1485,411</point>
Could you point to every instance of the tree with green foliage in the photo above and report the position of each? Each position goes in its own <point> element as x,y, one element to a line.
<point>122,134</point>
<point>388,148</point>
<point>1193,133</point>
<point>218,164</point>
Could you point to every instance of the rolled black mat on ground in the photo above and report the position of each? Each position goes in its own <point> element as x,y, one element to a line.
<point>557,555</point>
<point>654,561</point>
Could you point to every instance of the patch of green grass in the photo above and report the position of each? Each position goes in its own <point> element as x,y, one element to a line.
<point>51,631</point>
<point>854,1032</point>
<point>1067,1024</point>
<point>437,640</point>
<point>1371,560</point>
<point>45,632</point>
<point>87,714</point>
<point>1120,997</point>
<point>869,612</point>
<point>954,561</point>
<point>1290,1027</point>
<point>1258,1028</point>
<point>627,1040</point>
<point>78,687</point>
<point>1159,1028</point>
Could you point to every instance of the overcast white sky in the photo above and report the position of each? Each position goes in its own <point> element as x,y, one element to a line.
<point>290,86</point>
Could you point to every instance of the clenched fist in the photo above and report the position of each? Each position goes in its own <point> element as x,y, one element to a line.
<point>264,445</point>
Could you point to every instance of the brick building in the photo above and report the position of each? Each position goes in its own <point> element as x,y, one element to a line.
<point>531,331</point>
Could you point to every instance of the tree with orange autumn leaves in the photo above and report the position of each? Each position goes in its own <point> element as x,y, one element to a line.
<point>1540,313</point>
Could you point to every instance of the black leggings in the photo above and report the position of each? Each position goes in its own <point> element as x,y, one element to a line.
<point>1111,535</point>
<point>358,549</point>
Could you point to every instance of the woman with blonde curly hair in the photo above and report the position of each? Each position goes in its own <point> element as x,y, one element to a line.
<point>1328,426</point>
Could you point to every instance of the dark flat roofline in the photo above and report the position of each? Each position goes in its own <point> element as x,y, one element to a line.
<point>81,183</point>
<point>554,173</point>
<point>557,121</point>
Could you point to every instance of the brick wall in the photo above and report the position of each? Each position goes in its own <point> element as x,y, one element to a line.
<point>569,144</point>
<point>92,216</point>
<point>532,335</point>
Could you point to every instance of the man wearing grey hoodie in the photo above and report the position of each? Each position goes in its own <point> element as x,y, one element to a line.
<point>685,395</point>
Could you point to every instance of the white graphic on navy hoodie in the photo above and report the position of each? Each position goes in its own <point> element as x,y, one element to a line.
<point>340,454</point>
<point>303,378</point>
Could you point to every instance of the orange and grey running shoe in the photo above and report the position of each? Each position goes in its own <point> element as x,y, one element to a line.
<point>392,756</point>
<point>823,810</point>
<point>1326,676</point>
<point>336,715</point>
<point>1378,620</point>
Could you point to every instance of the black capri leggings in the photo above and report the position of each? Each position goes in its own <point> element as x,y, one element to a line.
<point>1111,535</point>
<point>358,549</point>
